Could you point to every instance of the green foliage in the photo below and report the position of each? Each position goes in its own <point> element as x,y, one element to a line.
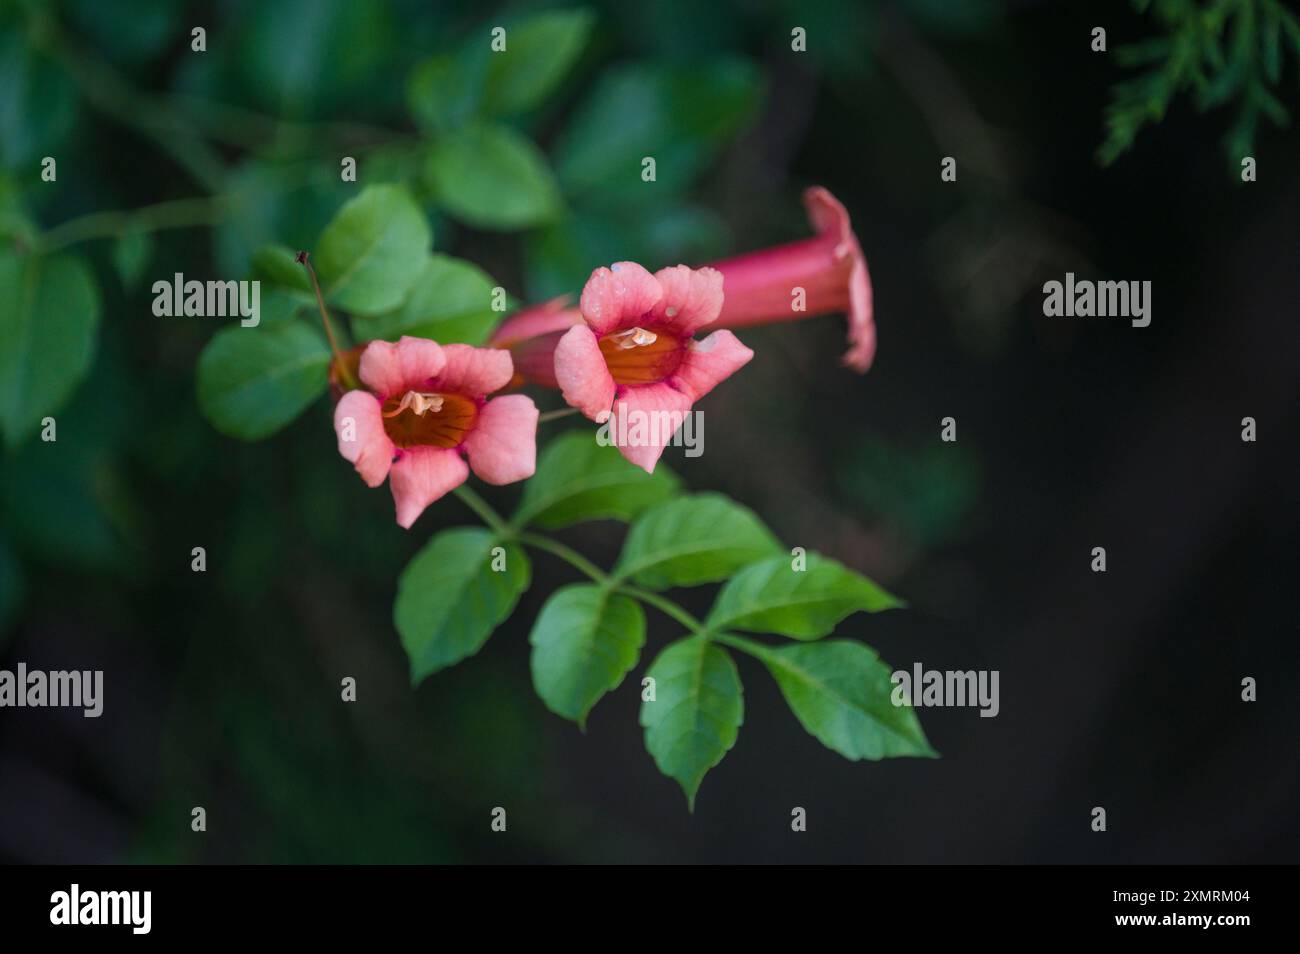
<point>772,596</point>
<point>577,479</point>
<point>450,301</point>
<point>840,692</point>
<point>492,177</point>
<point>1220,52</point>
<point>450,90</point>
<point>450,599</point>
<point>695,717</point>
<point>131,254</point>
<point>48,322</point>
<point>680,117</point>
<point>254,381</point>
<point>278,265</point>
<point>540,51</point>
<point>588,636</point>
<point>273,187</point>
<point>373,251</point>
<point>299,55</point>
<point>37,101</point>
<point>693,539</point>
<point>585,641</point>
<point>478,169</point>
<point>374,261</point>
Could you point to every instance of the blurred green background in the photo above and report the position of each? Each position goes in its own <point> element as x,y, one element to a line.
<point>222,688</point>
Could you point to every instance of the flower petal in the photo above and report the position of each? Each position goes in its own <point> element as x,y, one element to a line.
<point>389,369</point>
<point>359,423</point>
<point>645,417</point>
<point>582,375</point>
<point>692,298</point>
<point>708,362</point>
<point>422,475</point>
<point>502,447</point>
<point>474,371</point>
<point>617,298</point>
<point>554,315</point>
<point>862,323</point>
<point>829,217</point>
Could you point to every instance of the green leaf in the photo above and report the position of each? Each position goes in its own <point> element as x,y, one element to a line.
<point>539,52</point>
<point>449,597</point>
<point>773,597</point>
<point>38,102</point>
<point>578,479</point>
<point>153,27</point>
<point>696,713</point>
<point>841,692</point>
<point>49,315</point>
<point>373,251</point>
<point>279,305</point>
<point>679,116</point>
<point>451,301</point>
<point>585,641</point>
<point>131,254</point>
<point>300,57</point>
<point>278,265</point>
<point>694,539</point>
<point>493,178</point>
<point>444,91</point>
<point>254,381</point>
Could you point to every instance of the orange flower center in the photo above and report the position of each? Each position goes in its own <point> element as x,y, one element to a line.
<point>638,356</point>
<point>420,418</point>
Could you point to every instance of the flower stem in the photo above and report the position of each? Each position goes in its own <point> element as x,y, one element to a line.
<point>484,510</point>
<point>556,415</point>
<point>345,373</point>
<point>177,214</point>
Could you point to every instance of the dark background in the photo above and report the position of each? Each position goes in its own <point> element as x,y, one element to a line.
<point>1119,690</point>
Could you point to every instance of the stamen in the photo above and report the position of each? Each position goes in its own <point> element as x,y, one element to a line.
<point>419,403</point>
<point>634,337</point>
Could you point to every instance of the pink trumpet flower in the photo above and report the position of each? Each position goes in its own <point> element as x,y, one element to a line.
<point>759,287</point>
<point>830,268</point>
<point>423,410</point>
<point>634,361</point>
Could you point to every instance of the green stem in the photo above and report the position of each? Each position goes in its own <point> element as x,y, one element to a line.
<point>178,214</point>
<point>567,554</point>
<point>485,512</point>
<point>757,650</point>
<point>665,606</point>
<point>556,415</point>
<point>597,575</point>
